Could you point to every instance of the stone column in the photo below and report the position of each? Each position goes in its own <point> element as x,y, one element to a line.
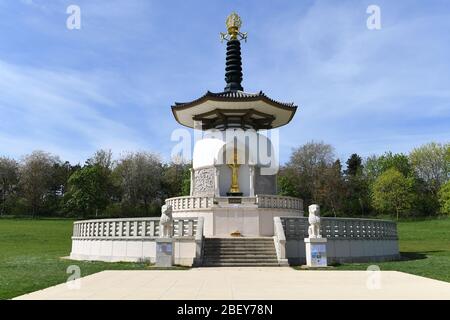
<point>216,181</point>
<point>252,181</point>
<point>191,190</point>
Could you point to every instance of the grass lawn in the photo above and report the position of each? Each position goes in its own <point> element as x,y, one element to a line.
<point>425,250</point>
<point>30,252</point>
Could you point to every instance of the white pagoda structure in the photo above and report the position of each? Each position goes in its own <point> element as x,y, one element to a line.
<point>233,215</point>
<point>233,177</point>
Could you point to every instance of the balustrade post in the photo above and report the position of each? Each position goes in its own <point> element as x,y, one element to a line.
<point>152,228</point>
<point>190,228</point>
<point>135,231</point>
<point>127,228</point>
<point>143,228</point>
<point>180,227</point>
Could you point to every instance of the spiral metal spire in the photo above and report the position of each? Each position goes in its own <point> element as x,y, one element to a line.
<point>233,68</point>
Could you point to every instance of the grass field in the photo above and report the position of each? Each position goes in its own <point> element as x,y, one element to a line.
<point>30,252</point>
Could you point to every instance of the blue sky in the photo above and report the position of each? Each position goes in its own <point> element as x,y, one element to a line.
<point>110,84</point>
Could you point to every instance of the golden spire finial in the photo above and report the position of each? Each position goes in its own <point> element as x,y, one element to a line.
<point>233,24</point>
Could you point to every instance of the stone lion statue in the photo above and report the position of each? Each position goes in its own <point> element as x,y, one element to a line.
<point>314,221</point>
<point>165,223</point>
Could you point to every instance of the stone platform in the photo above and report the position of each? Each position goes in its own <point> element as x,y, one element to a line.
<point>247,283</point>
<point>251,216</point>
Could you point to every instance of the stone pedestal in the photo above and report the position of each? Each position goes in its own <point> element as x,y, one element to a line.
<point>164,252</point>
<point>316,252</point>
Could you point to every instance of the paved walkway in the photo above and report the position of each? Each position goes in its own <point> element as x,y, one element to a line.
<point>248,283</point>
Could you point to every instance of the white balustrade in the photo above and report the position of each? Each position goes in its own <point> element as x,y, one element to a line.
<point>263,201</point>
<point>190,203</point>
<point>279,202</point>
<point>342,228</point>
<point>130,228</point>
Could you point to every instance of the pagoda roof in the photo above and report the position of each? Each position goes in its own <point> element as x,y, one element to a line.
<point>234,108</point>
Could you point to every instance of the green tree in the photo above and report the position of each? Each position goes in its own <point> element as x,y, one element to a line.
<point>375,166</point>
<point>306,168</point>
<point>35,173</point>
<point>356,187</point>
<point>444,198</point>
<point>287,182</point>
<point>392,191</point>
<point>354,165</point>
<point>9,178</point>
<point>88,190</point>
<point>431,164</point>
<point>139,175</point>
<point>186,181</point>
<point>332,188</point>
<point>54,201</point>
<point>176,178</point>
<point>102,158</point>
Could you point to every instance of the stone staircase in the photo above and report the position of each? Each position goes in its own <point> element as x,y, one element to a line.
<point>224,252</point>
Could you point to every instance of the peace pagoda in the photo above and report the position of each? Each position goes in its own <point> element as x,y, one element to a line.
<point>233,215</point>
<point>233,176</point>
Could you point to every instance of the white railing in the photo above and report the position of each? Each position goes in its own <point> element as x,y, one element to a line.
<point>199,242</point>
<point>190,203</point>
<point>342,228</point>
<point>278,202</point>
<point>279,239</point>
<point>263,201</point>
<point>131,228</point>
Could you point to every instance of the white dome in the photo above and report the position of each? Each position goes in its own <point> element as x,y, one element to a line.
<point>209,150</point>
<point>206,151</point>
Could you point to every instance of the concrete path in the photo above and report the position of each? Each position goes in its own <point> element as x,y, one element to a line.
<point>248,283</point>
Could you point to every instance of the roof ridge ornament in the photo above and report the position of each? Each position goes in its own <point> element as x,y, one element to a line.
<point>233,24</point>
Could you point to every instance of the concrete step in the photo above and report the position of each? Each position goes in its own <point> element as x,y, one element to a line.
<point>245,247</point>
<point>238,249</point>
<point>239,252</point>
<point>241,256</point>
<point>242,260</point>
<point>223,246</point>
<point>241,241</point>
<point>242,264</point>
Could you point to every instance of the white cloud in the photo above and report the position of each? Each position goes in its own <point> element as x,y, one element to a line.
<point>59,111</point>
<point>362,91</point>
